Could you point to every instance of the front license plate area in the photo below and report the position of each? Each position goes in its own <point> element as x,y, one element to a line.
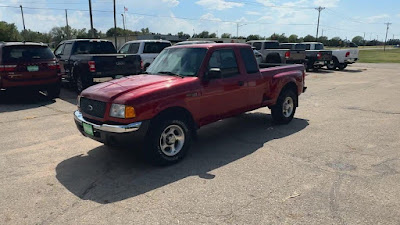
<point>32,68</point>
<point>88,129</point>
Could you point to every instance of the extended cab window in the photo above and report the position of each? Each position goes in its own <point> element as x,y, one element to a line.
<point>271,45</point>
<point>134,48</point>
<point>308,46</point>
<point>249,60</point>
<point>257,45</point>
<point>300,47</point>
<point>155,47</point>
<point>319,47</point>
<point>68,49</point>
<point>225,60</point>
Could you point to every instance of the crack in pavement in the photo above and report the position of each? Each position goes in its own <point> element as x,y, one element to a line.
<point>373,111</point>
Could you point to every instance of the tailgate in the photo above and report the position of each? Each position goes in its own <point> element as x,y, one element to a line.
<point>118,64</point>
<point>30,71</point>
<point>297,55</point>
<point>353,53</point>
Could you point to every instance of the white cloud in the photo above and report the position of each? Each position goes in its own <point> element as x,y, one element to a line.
<point>253,13</point>
<point>171,3</point>
<point>373,19</point>
<point>218,4</point>
<point>326,3</point>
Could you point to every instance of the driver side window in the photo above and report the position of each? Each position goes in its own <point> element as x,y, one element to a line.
<point>224,60</point>
<point>124,49</point>
<point>59,50</point>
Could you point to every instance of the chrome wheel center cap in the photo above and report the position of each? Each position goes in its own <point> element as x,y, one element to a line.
<point>171,139</point>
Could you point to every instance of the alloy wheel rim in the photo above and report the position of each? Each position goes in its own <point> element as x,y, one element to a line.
<point>287,107</point>
<point>172,140</point>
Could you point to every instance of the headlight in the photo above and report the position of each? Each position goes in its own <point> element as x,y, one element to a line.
<point>122,111</point>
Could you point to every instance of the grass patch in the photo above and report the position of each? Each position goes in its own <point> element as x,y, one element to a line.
<point>379,56</point>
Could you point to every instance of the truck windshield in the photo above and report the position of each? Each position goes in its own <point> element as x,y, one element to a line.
<point>94,47</point>
<point>180,61</point>
<point>24,53</point>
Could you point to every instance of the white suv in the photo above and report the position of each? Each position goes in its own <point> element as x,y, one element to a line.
<point>147,49</point>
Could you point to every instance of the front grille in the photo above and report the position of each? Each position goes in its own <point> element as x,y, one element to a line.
<point>93,107</point>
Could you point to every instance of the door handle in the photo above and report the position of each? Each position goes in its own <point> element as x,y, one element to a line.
<point>240,83</point>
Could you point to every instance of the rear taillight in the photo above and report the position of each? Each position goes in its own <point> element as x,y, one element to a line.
<point>92,66</point>
<point>287,54</point>
<point>8,68</point>
<point>319,55</point>
<point>347,54</point>
<point>53,66</point>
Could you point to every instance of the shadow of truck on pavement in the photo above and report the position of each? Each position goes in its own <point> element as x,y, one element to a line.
<point>109,175</point>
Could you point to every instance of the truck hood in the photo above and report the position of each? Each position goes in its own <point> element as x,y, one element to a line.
<point>132,85</point>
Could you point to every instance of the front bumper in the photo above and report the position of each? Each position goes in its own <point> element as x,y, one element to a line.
<point>113,134</point>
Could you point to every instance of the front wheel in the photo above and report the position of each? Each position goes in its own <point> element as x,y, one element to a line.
<point>167,141</point>
<point>285,108</point>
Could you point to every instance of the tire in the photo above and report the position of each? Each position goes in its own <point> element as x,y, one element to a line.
<point>54,91</point>
<point>168,141</point>
<point>334,65</point>
<point>342,66</point>
<point>345,65</point>
<point>285,108</point>
<point>81,82</point>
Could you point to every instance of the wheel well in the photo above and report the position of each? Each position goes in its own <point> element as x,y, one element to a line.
<point>177,112</point>
<point>291,86</point>
<point>273,58</point>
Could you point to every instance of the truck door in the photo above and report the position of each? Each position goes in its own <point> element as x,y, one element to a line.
<point>226,95</point>
<point>64,54</point>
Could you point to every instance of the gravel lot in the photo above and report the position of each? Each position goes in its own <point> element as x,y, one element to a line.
<point>338,162</point>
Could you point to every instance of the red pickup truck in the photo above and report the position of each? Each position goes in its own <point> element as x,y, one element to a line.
<point>185,88</point>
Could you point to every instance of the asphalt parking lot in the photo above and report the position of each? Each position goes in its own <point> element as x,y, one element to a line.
<point>338,162</point>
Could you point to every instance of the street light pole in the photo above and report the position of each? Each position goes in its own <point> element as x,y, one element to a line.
<point>23,19</point>
<point>387,29</point>
<point>319,14</point>
<point>91,34</point>
<point>66,20</point>
<point>115,25</point>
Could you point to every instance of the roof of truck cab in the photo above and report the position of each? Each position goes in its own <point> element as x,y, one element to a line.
<point>22,43</point>
<point>212,45</point>
<point>262,41</point>
<point>139,41</point>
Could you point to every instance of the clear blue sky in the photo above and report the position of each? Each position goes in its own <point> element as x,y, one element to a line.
<point>344,18</point>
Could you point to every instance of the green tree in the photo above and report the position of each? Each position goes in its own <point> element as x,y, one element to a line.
<point>335,41</point>
<point>9,32</point>
<point>226,35</point>
<point>183,35</point>
<point>203,34</point>
<point>212,35</point>
<point>358,40</point>
<point>323,40</point>
<point>253,37</point>
<point>145,30</point>
<point>309,38</point>
<point>112,31</point>
<point>293,38</point>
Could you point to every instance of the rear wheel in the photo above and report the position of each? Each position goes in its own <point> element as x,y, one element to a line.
<point>168,141</point>
<point>81,81</point>
<point>285,108</point>
<point>333,65</point>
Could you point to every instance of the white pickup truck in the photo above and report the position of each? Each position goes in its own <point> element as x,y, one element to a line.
<point>147,49</point>
<point>340,57</point>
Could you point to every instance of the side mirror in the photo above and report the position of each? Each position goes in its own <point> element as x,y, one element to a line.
<point>213,73</point>
<point>58,56</point>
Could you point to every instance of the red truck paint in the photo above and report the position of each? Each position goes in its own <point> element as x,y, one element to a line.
<point>206,101</point>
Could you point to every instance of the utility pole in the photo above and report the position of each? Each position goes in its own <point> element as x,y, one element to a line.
<point>123,22</point>
<point>322,32</point>
<point>115,25</point>
<point>91,33</point>
<point>237,29</point>
<point>23,19</point>
<point>66,20</point>
<point>319,14</point>
<point>364,39</point>
<point>387,29</point>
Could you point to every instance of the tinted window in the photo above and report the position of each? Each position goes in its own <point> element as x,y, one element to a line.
<point>23,53</point>
<point>271,45</point>
<point>257,45</point>
<point>300,47</point>
<point>94,47</point>
<point>319,47</point>
<point>308,46</point>
<point>226,61</point>
<point>249,60</point>
<point>181,61</point>
<point>155,47</point>
<point>67,49</point>
<point>134,48</point>
<point>124,49</point>
<point>286,46</point>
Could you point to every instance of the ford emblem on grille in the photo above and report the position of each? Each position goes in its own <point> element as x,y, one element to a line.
<point>90,107</point>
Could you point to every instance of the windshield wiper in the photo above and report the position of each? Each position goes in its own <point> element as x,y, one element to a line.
<point>171,74</point>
